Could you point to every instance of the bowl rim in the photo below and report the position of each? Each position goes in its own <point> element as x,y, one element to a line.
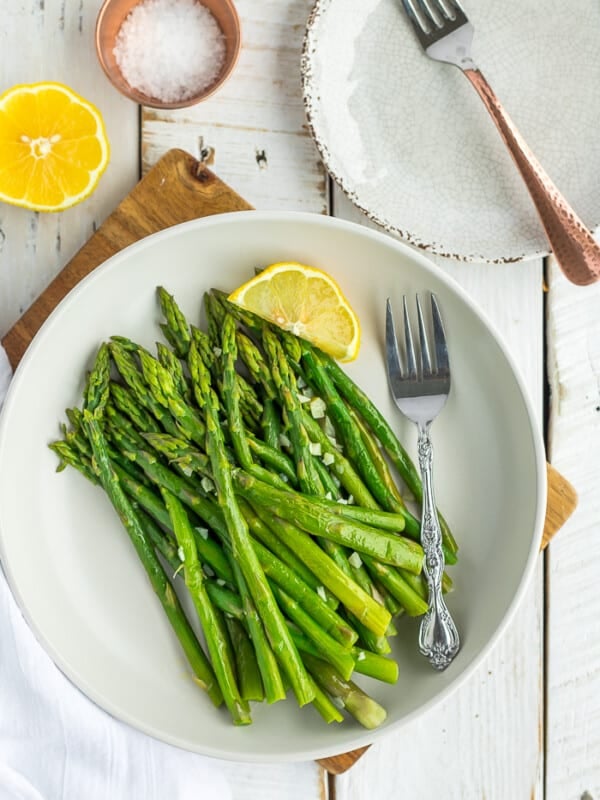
<point>363,737</point>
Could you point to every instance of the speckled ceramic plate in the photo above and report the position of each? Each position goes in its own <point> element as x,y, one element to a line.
<point>411,144</point>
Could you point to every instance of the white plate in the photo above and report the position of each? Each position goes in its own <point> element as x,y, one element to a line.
<point>412,145</point>
<point>77,577</point>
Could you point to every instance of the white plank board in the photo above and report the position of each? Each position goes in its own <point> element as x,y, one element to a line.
<point>53,40</point>
<point>486,740</point>
<point>573,738</point>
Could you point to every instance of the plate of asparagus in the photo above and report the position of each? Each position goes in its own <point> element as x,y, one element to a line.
<point>230,548</point>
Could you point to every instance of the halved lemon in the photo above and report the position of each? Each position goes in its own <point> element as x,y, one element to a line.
<point>307,302</point>
<point>53,147</point>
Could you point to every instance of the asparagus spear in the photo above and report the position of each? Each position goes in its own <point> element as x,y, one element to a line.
<point>175,328</point>
<point>321,522</point>
<point>164,391</point>
<point>367,663</point>
<point>107,476</point>
<point>308,478</point>
<point>324,706</point>
<point>362,707</point>
<point>340,466</point>
<point>328,648</point>
<point>250,682</point>
<point>246,558</point>
<point>125,402</point>
<point>173,365</point>
<point>212,623</point>
<point>265,656</point>
<point>346,429</point>
<point>231,397</point>
<point>134,379</point>
<point>363,606</point>
<point>376,456</point>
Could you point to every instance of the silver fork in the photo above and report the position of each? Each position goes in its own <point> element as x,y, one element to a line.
<point>420,392</point>
<point>445,34</point>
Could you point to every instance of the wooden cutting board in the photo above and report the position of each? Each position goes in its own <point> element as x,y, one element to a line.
<point>178,189</point>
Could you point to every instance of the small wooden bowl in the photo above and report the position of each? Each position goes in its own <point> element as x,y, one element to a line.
<point>111,17</point>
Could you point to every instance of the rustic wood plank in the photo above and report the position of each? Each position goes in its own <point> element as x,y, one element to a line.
<point>562,502</point>
<point>486,740</point>
<point>573,735</point>
<point>53,40</point>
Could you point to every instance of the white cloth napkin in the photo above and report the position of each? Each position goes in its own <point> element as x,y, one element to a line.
<point>55,744</point>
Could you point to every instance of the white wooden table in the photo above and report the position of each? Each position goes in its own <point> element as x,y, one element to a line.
<point>527,723</point>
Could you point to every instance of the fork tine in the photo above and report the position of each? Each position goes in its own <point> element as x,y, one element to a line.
<point>425,9</point>
<point>455,8</point>
<point>394,367</point>
<point>414,18</point>
<point>444,9</point>
<point>408,342</point>
<point>425,358</point>
<point>439,339</point>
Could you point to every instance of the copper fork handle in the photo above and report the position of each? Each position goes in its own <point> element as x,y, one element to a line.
<point>574,247</point>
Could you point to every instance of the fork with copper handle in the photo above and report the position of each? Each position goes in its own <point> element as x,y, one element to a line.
<point>445,34</point>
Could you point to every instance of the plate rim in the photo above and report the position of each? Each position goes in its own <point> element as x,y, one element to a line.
<point>362,737</point>
<point>318,10</point>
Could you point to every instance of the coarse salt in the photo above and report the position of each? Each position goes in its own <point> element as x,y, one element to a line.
<point>170,49</point>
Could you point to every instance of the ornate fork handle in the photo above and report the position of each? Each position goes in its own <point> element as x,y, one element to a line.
<point>438,637</point>
<point>573,245</point>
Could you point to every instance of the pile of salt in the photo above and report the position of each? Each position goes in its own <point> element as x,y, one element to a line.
<point>170,49</point>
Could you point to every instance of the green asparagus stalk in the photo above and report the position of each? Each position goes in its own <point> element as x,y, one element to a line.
<point>246,557</point>
<point>393,581</point>
<point>363,606</point>
<point>97,386</point>
<point>256,365</point>
<point>308,478</point>
<point>374,451</point>
<point>271,425</point>
<point>375,666</point>
<point>249,679</point>
<point>225,599</point>
<point>215,314</point>
<point>324,706</point>
<point>173,365</point>
<point>340,466</point>
<point>273,458</point>
<point>135,381</point>
<point>212,623</point>
<point>164,391</point>
<point>319,521</point>
<point>265,655</point>
<point>107,476</point>
<point>362,707</point>
<point>366,662</point>
<point>175,328</point>
<point>346,430</point>
<point>329,649</point>
<point>231,397</point>
<point>125,402</point>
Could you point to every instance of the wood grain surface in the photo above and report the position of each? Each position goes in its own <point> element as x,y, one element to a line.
<point>179,188</point>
